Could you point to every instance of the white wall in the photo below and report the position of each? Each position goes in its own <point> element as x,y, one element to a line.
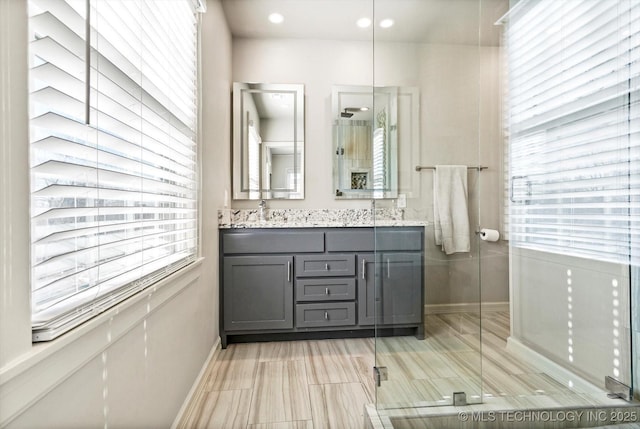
<point>570,309</point>
<point>216,137</point>
<point>459,123</point>
<point>131,366</point>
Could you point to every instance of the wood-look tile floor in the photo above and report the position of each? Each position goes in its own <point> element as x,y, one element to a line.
<point>325,384</point>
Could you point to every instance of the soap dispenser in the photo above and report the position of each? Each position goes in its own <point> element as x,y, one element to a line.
<point>262,211</point>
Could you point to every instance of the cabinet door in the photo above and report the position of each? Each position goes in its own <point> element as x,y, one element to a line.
<point>258,292</point>
<point>401,288</point>
<point>369,307</point>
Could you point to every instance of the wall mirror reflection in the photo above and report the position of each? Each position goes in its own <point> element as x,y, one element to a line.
<point>365,143</point>
<point>268,141</point>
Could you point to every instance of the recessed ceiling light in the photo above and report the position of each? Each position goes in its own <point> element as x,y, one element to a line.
<point>363,22</point>
<point>276,18</point>
<point>386,23</point>
<point>364,109</point>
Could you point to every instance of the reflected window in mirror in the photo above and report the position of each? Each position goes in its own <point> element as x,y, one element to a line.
<point>365,142</point>
<point>268,141</point>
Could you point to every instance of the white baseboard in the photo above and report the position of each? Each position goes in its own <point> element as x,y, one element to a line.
<point>466,307</point>
<point>551,368</point>
<point>194,391</point>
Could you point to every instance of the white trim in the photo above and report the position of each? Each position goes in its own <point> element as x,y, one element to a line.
<point>197,387</point>
<point>15,293</point>
<point>465,307</point>
<point>28,379</point>
<point>551,368</point>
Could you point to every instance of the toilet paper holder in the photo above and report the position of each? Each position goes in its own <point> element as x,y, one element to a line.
<point>487,234</point>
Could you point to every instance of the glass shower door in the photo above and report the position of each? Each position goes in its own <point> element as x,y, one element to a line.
<point>425,298</point>
<point>422,359</point>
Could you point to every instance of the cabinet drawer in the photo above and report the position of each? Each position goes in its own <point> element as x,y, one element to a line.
<point>278,241</point>
<point>325,314</point>
<point>380,239</point>
<point>325,289</point>
<point>325,265</point>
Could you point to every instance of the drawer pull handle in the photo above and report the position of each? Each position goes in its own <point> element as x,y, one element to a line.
<point>388,268</point>
<point>326,315</point>
<point>326,291</point>
<point>288,271</point>
<point>364,270</point>
<point>326,267</point>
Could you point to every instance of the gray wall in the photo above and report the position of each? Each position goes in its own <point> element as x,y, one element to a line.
<point>132,366</point>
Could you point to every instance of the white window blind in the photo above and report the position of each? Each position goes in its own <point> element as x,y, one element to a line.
<point>113,152</point>
<point>574,73</point>
<point>379,184</point>
<point>255,142</point>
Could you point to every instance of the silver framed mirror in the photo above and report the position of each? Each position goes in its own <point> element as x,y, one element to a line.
<point>365,143</point>
<point>268,141</point>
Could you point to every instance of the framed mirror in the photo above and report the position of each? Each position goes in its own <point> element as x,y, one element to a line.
<point>268,141</point>
<point>365,143</point>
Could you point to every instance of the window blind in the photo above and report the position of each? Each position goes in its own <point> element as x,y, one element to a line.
<point>574,126</point>
<point>379,161</point>
<point>255,142</point>
<point>113,152</point>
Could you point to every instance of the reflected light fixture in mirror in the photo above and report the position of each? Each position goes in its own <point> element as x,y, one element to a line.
<point>276,18</point>
<point>363,22</point>
<point>386,23</point>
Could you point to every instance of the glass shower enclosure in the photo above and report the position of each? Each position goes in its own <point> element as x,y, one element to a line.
<point>444,117</point>
<point>537,102</point>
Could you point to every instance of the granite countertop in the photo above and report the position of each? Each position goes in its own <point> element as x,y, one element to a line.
<point>318,218</point>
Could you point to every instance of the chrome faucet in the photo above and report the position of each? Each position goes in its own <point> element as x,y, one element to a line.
<point>262,210</point>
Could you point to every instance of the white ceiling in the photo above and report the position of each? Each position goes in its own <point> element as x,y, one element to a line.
<point>426,21</point>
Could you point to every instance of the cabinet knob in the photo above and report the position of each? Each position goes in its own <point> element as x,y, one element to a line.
<point>326,267</point>
<point>326,315</point>
<point>326,291</point>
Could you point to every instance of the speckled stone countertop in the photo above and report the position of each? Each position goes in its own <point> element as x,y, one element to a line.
<point>318,218</point>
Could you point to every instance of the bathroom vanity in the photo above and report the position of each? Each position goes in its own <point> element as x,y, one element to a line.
<point>320,282</point>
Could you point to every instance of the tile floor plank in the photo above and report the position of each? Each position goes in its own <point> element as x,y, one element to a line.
<point>328,361</point>
<point>300,424</point>
<point>234,369</point>
<point>223,409</point>
<point>281,393</point>
<point>338,406</point>
<point>282,350</point>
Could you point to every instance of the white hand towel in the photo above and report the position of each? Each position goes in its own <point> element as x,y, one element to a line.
<point>450,210</point>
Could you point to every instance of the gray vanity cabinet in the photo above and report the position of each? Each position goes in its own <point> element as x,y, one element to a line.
<point>387,289</point>
<point>401,300</point>
<point>258,292</point>
<point>320,282</point>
